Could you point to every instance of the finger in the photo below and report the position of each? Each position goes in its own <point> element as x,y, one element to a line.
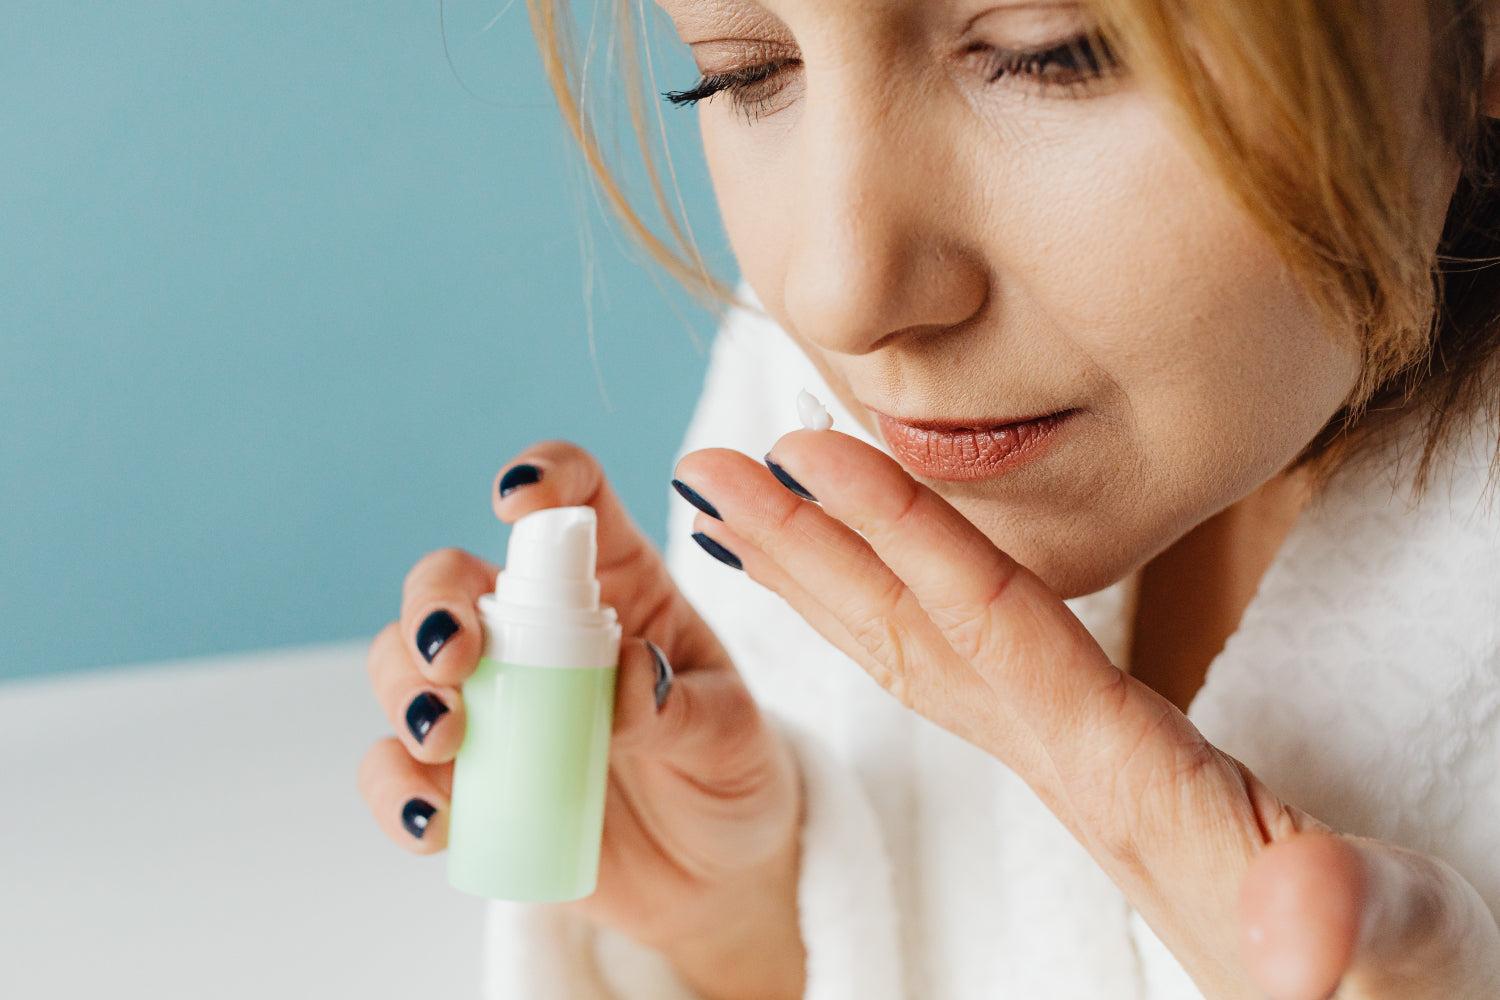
<point>853,562</point>
<point>1319,911</point>
<point>835,581</point>
<point>409,800</point>
<point>1299,916</point>
<point>428,718</point>
<point>440,625</point>
<point>1034,654</point>
<point>770,573</point>
<point>704,714</point>
<point>632,575</point>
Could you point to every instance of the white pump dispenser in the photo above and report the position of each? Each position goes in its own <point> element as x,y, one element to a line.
<point>527,809</point>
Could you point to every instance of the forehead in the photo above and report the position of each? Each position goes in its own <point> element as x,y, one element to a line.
<point>691,13</point>
<point>703,19</point>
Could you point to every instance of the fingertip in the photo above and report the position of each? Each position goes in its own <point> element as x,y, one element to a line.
<point>515,484</point>
<point>1300,904</point>
<point>408,799</point>
<point>425,824</point>
<point>434,724</point>
<point>446,642</point>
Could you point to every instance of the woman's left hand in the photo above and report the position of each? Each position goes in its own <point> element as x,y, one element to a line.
<point>1251,894</point>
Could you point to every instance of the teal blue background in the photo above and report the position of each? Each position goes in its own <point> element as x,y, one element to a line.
<point>281,290</point>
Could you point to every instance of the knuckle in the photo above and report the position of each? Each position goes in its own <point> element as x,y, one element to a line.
<point>1136,783</point>
<point>789,518</point>
<point>906,507</point>
<point>791,523</point>
<point>880,636</point>
<point>1277,821</point>
<point>971,629</point>
<point>1104,706</point>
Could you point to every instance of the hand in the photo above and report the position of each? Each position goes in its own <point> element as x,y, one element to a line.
<point>699,852</point>
<point>1242,887</point>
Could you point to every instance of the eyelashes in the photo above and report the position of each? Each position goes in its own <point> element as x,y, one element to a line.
<point>737,82</point>
<point>1067,68</point>
<point>1084,57</point>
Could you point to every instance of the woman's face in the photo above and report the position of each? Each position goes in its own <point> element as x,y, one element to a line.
<point>947,244</point>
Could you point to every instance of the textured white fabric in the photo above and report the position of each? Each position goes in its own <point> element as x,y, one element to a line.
<point>1363,684</point>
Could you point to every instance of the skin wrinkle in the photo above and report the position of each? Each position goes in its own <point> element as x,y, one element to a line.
<point>942,246</point>
<point>1071,253</point>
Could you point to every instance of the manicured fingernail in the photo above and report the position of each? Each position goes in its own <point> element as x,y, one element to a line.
<point>423,713</point>
<point>521,475</point>
<point>436,629</point>
<point>787,480</point>
<point>695,498</point>
<point>415,816</point>
<point>718,551</point>
<point>663,673</point>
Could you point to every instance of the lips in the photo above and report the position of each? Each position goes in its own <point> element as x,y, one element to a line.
<point>947,449</point>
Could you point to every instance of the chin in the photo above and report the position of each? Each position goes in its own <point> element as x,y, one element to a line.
<point>1073,574</point>
<point>1071,558</point>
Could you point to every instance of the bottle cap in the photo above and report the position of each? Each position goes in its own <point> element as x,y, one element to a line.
<point>550,560</point>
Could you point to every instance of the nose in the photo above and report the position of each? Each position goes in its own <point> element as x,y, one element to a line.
<point>877,249</point>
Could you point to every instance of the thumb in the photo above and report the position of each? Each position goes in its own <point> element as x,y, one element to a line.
<point>1322,912</point>
<point>691,719</point>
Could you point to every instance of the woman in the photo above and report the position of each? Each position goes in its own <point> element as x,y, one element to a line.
<point>1154,513</point>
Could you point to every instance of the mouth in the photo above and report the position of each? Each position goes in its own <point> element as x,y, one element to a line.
<point>966,450</point>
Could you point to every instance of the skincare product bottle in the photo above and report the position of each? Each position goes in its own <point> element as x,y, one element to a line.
<point>526,814</point>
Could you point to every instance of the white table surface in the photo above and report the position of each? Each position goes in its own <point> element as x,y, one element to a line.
<point>193,830</point>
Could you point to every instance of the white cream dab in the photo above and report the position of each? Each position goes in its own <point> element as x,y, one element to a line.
<point>814,415</point>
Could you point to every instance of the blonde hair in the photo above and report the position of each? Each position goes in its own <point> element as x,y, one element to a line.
<point>1317,157</point>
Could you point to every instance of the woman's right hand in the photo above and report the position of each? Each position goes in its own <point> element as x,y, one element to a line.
<point>702,809</point>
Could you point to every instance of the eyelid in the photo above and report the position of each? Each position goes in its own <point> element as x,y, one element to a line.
<point>1026,64</point>
<point>738,53</point>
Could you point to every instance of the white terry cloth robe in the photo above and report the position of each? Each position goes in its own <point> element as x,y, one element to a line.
<point>1363,685</point>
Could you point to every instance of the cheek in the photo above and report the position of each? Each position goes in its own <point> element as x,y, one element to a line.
<point>1212,366</point>
<point>750,191</point>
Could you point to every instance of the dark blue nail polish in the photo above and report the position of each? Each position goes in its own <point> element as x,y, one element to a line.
<point>663,673</point>
<point>435,630</point>
<point>415,816</point>
<point>787,480</point>
<point>695,498</point>
<point>521,475</point>
<point>423,713</point>
<point>718,551</point>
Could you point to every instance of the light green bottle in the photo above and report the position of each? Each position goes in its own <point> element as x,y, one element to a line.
<point>526,816</point>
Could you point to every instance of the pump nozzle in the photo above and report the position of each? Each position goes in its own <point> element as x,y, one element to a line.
<point>550,560</point>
